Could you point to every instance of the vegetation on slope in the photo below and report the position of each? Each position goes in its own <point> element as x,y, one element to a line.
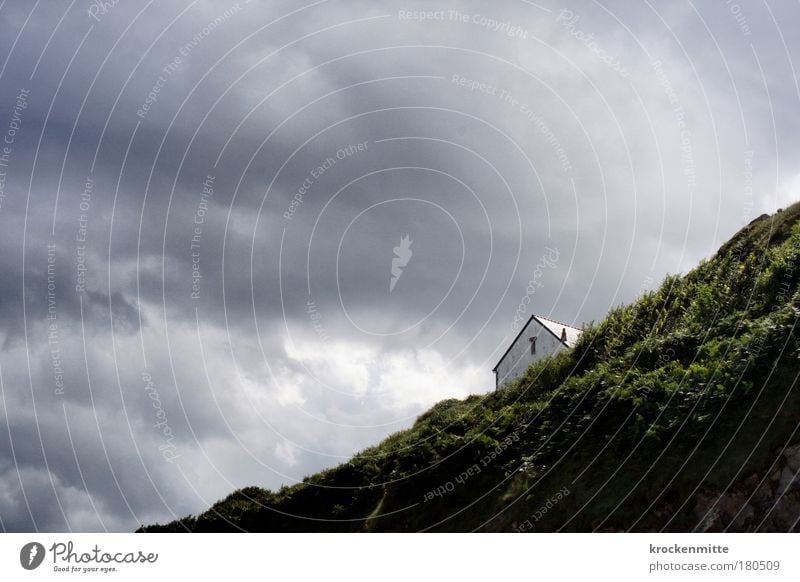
<point>691,388</point>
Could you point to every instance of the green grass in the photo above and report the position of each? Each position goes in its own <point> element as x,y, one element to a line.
<point>689,387</point>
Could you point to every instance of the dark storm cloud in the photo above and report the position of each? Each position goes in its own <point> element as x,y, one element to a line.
<point>221,319</point>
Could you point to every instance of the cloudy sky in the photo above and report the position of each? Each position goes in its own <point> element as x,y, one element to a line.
<point>201,202</point>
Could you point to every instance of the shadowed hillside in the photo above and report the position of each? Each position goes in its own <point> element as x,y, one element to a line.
<point>678,412</point>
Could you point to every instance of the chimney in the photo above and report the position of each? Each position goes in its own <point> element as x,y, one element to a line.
<point>563,334</point>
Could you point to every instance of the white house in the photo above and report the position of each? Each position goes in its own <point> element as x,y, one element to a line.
<point>538,338</point>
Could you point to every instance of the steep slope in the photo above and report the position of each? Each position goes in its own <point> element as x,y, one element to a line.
<point>676,412</point>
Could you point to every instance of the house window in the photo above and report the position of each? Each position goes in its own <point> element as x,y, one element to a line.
<point>533,344</point>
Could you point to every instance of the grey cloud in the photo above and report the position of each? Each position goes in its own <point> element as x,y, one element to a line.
<point>629,176</point>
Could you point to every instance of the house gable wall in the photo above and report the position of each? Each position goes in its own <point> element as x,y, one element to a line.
<point>519,357</point>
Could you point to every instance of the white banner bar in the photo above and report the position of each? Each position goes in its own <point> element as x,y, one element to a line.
<point>402,557</point>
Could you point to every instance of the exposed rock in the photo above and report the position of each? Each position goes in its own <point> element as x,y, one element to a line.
<point>768,500</point>
<point>784,515</point>
<point>788,480</point>
<point>706,510</point>
<point>792,456</point>
<point>751,483</point>
<point>763,495</point>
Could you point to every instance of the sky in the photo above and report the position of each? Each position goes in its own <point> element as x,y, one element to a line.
<point>243,241</point>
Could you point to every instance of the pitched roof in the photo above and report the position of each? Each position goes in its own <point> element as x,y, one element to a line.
<point>573,333</point>
<point>551,325</point>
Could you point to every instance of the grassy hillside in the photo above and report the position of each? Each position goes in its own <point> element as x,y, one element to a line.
<point>668,402</point>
